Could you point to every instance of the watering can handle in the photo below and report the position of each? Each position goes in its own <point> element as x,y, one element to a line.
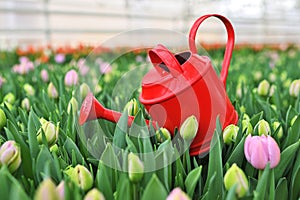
<point>160,54</point>
<point>229,45</point>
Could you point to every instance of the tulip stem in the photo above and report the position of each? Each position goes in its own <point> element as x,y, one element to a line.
<point>135,192</point>
<point>260,172</point>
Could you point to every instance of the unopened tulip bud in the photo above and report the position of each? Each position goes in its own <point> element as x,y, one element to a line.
<point>230,133</point>
<point>135,168</point>
<point>162,134</point>
<point>81,176</point>
<point>2,119</point>
<point>60,190</point>
<point>84,90</point>
<point>263,127</point>
<point>293,120</point>
<point>29,90</point>
<point>52,92</point>
<point>132,107</point>
<point>71,78</point>
<point>72,104</point>
<point>236,176</point>
<point>10,155</point>
<point>280,131</point>
<point>272,90</point>
<point>45,75</point>
<point>25,104</point>
<point>261,150</point>
<point>94,194</point>
<point>263,88</point>
<point>50,131</point>
<point>46,190</point>
<point>177,194</point>
<point>295,88</point>
<point>258,75</point>
<point>247,125</point>
<point>189,128</point>
<point>9,98</point>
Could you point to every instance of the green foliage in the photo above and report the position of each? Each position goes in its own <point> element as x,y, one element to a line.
<point>103,147</point>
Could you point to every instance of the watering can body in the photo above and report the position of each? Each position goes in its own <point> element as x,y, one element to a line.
<point>179,86</point>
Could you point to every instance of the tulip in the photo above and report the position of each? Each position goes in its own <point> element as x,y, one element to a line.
<point>257,75</point>
<point>105,67</point>
<point>230,133</point>
<point>25,104</point>
<point>71,78</point>
<point>247,126</point>
<point>131,107</point>
<point>60,58</point>
<point>84,89</point>
<point>275,125</point>
<point>24,67</point>
<point>81,176</point>
<point>263,127</point>
<point>263,88</point>
<point>272,90</point>
<point>162,134</point>
<point>2,119</point>
<point>9,98</point>
<point>45,75</point>
<point>60,190</point>
<point>72,104</point>
<point>260,150</point>
<point>10,155</point>
<point>83,68</point>
<point>135,168</point>
<point>177,194</point>
<point>52,92</point>
<point>46,191</point>
<point>29,90</point>
<point>236,176</point>
<point>293,120</point>
<point>94,194</point>
<point>139,58</point>
<point>295,88</point>
<point>50,131</point>
<point>189,128</point>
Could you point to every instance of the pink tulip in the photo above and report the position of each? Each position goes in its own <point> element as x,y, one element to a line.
<point>44,75</point>
<point>24,67</point>
<point>177,193</point>
<point>260,150</point>
<point>59,58</point>
<point>83,68</point>
<point>105,67</point>
<point>71,78</point>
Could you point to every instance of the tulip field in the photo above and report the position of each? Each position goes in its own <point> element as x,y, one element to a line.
<point>46,154</point>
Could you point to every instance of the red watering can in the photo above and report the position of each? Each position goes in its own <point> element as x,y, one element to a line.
<point>179,86</point>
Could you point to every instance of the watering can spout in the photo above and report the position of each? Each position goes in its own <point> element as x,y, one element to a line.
<point>92,109</point>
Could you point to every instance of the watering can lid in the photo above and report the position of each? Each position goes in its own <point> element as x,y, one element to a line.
<point>172,74</point>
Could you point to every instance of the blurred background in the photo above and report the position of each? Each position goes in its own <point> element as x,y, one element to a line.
<point>70,22</point>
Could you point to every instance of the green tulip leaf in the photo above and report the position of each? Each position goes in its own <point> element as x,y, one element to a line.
<point>281,191</point>
<point>120,131</point>
<point>262,185</point>
<point>192,180</point>
<point>286,157</point>
<point>215,165</point>
<point>154,190</point>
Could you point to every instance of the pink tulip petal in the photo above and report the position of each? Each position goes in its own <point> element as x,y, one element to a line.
<point>259,157</point>
<point>274,152</point>
<point>246,147</point>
